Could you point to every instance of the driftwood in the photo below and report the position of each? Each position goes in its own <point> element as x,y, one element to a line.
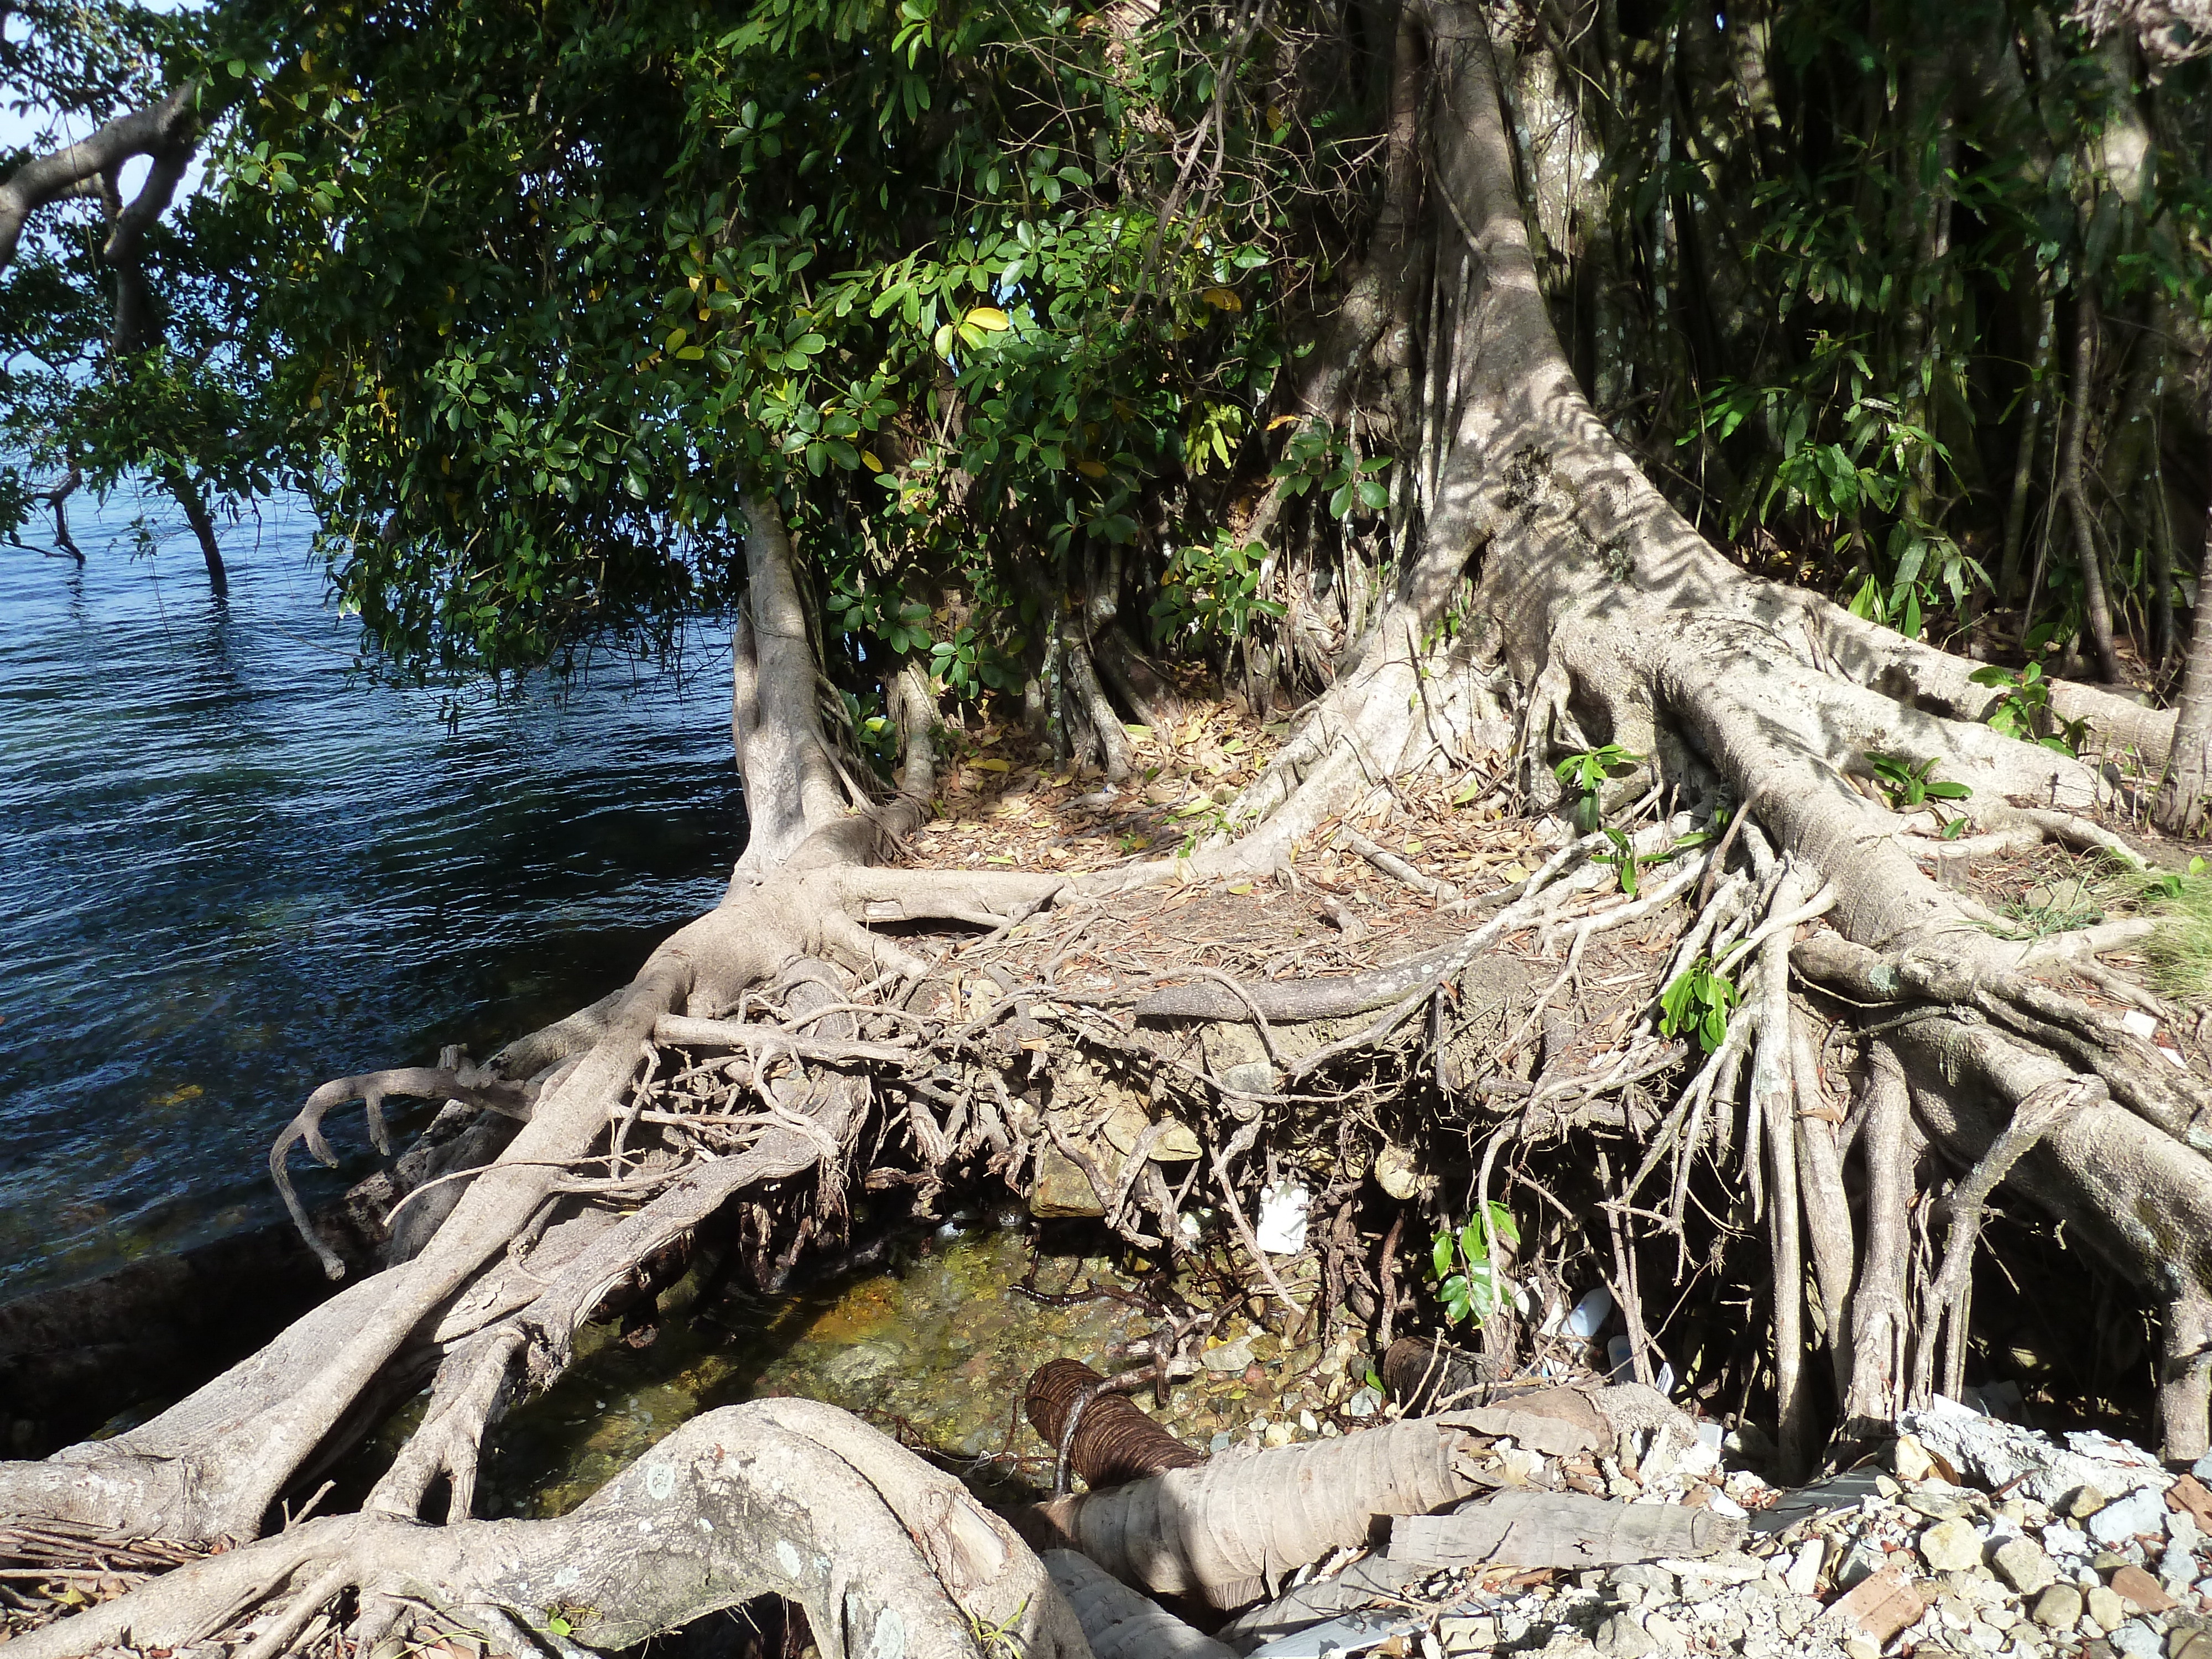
<point>1560,1529</point>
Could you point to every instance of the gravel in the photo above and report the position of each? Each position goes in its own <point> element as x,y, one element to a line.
<point>2050,1549</point>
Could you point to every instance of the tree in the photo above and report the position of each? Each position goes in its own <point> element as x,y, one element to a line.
<point>1459,369</point>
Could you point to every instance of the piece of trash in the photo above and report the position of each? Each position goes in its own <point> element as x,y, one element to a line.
<point>1621,1354</point>
<point>1282,1230</point>
<point>2143,1024</point>
<point>1356,1632</point>
<point>1589,1315</point>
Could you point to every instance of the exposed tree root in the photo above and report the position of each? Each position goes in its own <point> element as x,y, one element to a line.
<point>779,1498</point>
<point>759,1044</point>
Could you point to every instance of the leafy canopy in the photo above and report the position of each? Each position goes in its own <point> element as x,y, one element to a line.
<point>524,296</point>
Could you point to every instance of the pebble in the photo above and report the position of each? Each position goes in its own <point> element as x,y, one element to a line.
<point>2105,1607</point>
<point>1951,1547</point>
<point>2137,1640</point>
<point>2059,1608</point>
<point>2124,1519</point>
<point>2023,1566</point>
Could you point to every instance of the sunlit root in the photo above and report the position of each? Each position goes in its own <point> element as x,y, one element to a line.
<point>779,1498</point>
<point>1118,1623</point>
<point>1226,1530</point>
<point>459,1080</point>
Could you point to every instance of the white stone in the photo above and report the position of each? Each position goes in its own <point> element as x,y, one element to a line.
<point>1804,1572</point>
<point>2140,1511</point>
<point>2069,1542</point>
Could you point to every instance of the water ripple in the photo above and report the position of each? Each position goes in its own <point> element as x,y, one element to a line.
<point>230,869</point>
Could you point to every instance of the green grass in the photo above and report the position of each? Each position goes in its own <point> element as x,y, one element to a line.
<point>2181,949</point>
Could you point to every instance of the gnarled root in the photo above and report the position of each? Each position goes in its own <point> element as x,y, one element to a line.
<point>458,1081</point>
<point>1226,1530</point>
<point>781,1497</point>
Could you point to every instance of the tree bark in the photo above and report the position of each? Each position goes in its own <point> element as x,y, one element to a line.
<point>2180,806</point>
<point>2097,611</point>
<point>187,494</point>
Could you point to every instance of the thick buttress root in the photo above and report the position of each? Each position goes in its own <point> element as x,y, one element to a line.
<point>1226,1530</point>
<point>780,1497</point>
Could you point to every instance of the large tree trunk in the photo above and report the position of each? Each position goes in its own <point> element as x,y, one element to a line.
<point>188,496</point>
<point>2179,809</point>
<point>1616,622</point>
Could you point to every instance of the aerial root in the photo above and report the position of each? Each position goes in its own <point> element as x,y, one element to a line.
<point>454,1080</point>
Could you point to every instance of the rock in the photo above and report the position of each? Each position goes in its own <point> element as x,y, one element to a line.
<point>1061,1189</point>
<point>1857,1647</point>
<point>2189,1645</point>
<point>2068,1543</point>
<point>1396,1172</point>
<point>1364,1402</point>
<point>1951,1547</point>
<point>1228,1356</point>
<point>1621,1638</point>
<point>1883,1604</point>
<point>2058,1608</point>
<point>2010,1458</point>
<point>1910,1459</point>
<point>1643,1575</point>
<point>1804,1572</point>
<point>2106,1607</point>
<point>2137,1640</point>
<point>2137,1587</point>
<point>2191,1495</point>
<point>1669,1635</point>
<point>2086,1503</point>
<point>1462,1634</point>
<point>2021,1563</point>
<point>2140,1511</point>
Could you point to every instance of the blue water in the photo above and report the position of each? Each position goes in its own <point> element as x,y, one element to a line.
<point>232,867</point>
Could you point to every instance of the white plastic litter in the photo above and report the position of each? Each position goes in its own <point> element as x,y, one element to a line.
<point>1282,1230</point>
<point>2143,1024</point>
<point>1589,1315</point>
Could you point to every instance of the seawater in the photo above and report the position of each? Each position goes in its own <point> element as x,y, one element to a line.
<point>232,867</point>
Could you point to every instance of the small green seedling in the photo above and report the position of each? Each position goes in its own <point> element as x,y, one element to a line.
<point>2024,710</point>
<point>1908,785</point>
<point>1624,856</point>
<point>1587,769</point>
<point>1698,999</point>
<point>1467,1280</point>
